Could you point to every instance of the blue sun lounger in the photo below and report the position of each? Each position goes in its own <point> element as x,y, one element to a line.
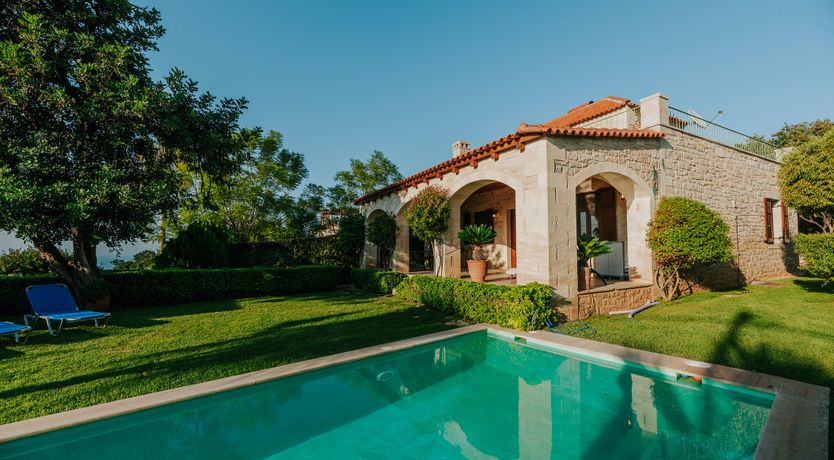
<point>54,302</point>
<point>7,328</point>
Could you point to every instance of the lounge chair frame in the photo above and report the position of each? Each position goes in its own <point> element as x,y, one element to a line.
<point>24,331</point>
<point>99,321</point>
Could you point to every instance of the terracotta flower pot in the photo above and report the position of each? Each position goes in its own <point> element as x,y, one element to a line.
<point>585,277</point>
<point>477,270</point>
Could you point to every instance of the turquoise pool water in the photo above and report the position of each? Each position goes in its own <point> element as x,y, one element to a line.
<point>478,396</point>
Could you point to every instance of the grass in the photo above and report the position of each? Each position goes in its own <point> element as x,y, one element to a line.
<point>784,329</point>
<point>151,349</point>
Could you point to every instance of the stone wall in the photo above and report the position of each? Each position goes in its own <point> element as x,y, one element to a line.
<point>602,301</point>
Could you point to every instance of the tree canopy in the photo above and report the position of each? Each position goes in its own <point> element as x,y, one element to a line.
<point>428,217</point>
<point>87,139</point>
<point>806,179</point>
<point>361,178</point>
<point>800,133</point>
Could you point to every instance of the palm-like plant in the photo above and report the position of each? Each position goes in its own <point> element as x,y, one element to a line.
<point>477,235</point>
<point>590,248</point>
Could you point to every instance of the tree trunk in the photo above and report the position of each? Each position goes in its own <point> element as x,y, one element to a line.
<point>79,272</point>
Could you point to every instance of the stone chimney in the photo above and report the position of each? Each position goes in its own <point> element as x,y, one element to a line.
<point>654,111</point>
<point>460,148</point>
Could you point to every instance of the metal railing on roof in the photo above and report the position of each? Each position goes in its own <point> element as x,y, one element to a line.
<point>693,124</point>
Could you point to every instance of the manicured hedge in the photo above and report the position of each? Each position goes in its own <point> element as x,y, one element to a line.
<point>382,282</point>
<point>159,287</point>
<point>817,249</point>
<point>509,306</point>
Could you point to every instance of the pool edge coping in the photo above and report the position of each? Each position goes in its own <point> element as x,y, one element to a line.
<point>786,434</point>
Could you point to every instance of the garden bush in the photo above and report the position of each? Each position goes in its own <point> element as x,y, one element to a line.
<point>817,249</point>
<point>683,234</point>
<point>382,282</point>
<point>516,307</point>
<point>160,287</point>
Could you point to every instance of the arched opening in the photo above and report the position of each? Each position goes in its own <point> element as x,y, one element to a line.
<point>490,203</point>
<point>615,209</point>
<point>375,256</point>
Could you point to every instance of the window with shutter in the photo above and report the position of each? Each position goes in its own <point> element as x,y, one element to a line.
<point>768,218</point>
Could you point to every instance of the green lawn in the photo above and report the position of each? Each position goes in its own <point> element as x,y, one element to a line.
<point>151,349</point>
<point>786,329</point>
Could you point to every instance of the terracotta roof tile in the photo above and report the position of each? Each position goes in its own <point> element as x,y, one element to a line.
<point>590,110</point>
<point>562,126</point>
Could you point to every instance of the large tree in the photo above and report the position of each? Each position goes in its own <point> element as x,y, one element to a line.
<point>806,179</point>
<point>797,134</point>
<point>361,178</point>
<point>87,139</point>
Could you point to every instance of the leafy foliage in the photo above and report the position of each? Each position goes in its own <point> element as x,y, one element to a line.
<point>379,281</point>
<point>142,260</point>
<point>818,252</point>
<point>428,214</point>
<point>201,245</point>
<point>87,138</point>
<point>362,178</point>
<point>350,238</point>
<point>164,287</point>
<point>287,253</point>
<point>382,233</point>
<point>477,235</point>
<point>800,133</point>
<point>23,262</point>
<point>587,249</point>
<point>685,233</point>
<point>517,307</point>
<point>806,179</point>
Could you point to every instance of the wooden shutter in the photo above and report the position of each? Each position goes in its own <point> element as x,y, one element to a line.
<point>607,214</point>
<point>785,225</point>
<point>768,220</point>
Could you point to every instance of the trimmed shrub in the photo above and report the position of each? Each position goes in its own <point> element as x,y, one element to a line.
<point>350,238</point>
<point>683,234</point>
<point>160,287</point>
<point>817,250</point>
<point>382,282</point>
<point>509,306</point>
<point>382,233</point>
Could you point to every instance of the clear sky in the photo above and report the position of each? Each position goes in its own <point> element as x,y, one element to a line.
<point>342,78</point>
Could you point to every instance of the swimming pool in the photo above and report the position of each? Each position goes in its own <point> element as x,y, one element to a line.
<point>479,394</point>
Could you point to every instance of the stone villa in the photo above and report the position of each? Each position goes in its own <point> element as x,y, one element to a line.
<point>598,170</point>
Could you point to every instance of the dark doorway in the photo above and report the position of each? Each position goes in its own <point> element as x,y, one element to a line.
<point>511,230</point>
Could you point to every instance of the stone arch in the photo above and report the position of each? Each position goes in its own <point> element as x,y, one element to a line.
<point>639,208</point>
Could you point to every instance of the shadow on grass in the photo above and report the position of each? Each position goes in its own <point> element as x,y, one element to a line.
<point>815,285</point>
<point>277,344</point>
<point>782,362</point>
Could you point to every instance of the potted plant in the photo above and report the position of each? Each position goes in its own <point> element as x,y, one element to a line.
<point>586,250</point>
<point>97,295</point>
<point>477,236</point>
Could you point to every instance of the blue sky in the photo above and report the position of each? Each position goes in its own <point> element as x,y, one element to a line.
<point>340,79</point>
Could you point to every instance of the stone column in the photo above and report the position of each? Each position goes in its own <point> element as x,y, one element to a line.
<point>401,245</point>
<point>451,252</point>
<point>654,111</point>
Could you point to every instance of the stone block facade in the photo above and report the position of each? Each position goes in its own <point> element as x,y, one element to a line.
<point>546,172</point>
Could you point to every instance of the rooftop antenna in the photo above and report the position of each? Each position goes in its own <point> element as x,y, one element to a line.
<point>697,119</point>
<point>717,116</point>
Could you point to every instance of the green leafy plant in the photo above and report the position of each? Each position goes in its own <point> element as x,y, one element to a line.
<point>587,249</point>
<point>165,287</point>
<point>685,233</point>
<point>142,260</point>
<point>817,250</point>
<point>806,180</point>
<point>96,290</point>
<point>517,307</point>
<point>382,232</point>
<point>477,236</point>
<point>428,217</point>
<point>350,238</point>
